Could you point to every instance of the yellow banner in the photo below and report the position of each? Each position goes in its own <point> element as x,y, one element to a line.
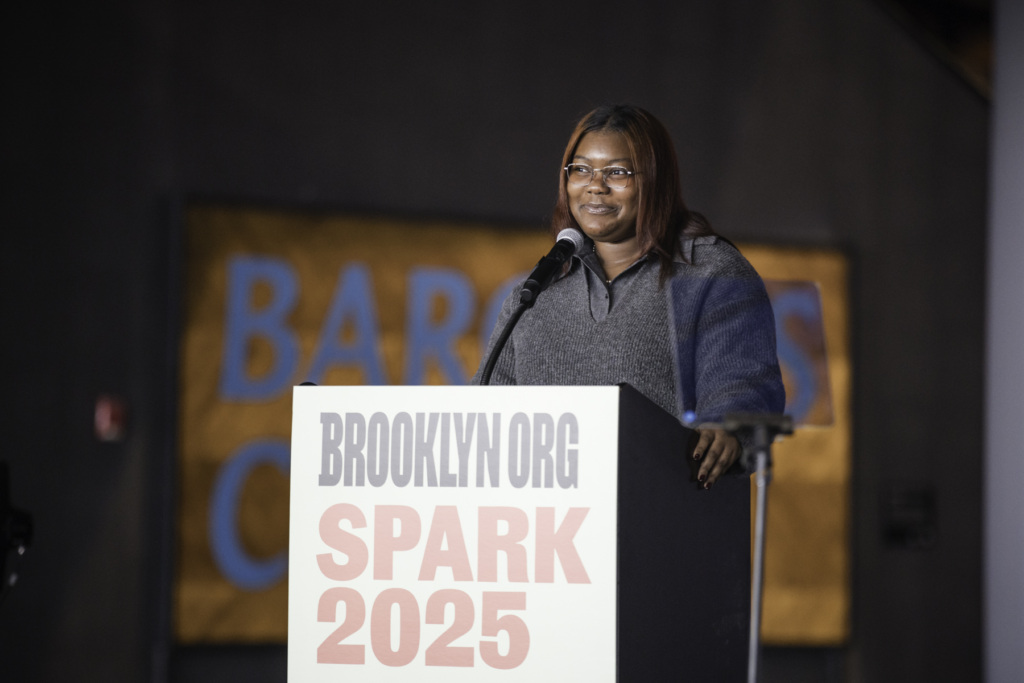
<point>274,299</point>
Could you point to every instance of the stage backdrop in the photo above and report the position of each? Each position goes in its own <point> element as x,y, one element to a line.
<point>273,299</point>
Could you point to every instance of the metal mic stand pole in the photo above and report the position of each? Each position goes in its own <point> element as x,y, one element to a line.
<point>763,478</point>
<point>764,429</point>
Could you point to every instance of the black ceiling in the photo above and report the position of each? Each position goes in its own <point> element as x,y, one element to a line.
<point>959,32</point>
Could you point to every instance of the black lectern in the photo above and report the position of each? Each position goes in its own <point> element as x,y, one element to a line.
<point>684,556</point>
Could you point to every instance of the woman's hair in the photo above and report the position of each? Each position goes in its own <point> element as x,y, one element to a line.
<point>662,216</point>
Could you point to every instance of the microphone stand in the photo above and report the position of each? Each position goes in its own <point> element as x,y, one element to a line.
<point>763,429</point>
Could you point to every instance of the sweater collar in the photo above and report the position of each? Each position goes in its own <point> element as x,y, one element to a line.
<point>587,256</point>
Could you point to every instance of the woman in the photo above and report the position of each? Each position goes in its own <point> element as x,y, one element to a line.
<point>606,320</point>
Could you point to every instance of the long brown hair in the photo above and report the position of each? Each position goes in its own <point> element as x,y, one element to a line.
<point>662,216</point>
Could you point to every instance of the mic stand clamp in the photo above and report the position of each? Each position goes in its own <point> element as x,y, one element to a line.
<point>761,430</point>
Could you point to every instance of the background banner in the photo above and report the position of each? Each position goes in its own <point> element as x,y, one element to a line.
<point>273,299</point>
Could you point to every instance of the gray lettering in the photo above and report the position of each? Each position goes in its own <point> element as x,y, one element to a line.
<point>355,441</point>
<point>425,448</point>
<point>488,449</point>
<point>330,451</point>
<point>445,477</point>
<point>543,443</point>
<point>401,449</point>
<point>568,458</point>
<point>464,425</point>
<point>519,450</point>
<point>377,450</point>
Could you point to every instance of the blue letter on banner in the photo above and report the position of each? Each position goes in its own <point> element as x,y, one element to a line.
<point>353,298</point>
<point>423,338</point>
<point>242,570</point>
<point>244,324</point>
<point>802,304</point>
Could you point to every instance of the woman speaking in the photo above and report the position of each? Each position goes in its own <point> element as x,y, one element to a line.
<point>606,319</point>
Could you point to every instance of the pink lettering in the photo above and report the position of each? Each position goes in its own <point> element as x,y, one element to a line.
<point>491,542</point>
<point>386,543</point>
<point>551,542</point>
<point>342,541</point>
<point>445,525</point>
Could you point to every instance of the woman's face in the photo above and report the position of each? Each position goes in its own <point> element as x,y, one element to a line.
<point>604,213</point>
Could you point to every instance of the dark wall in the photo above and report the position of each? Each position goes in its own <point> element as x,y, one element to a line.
<point>798,122</point>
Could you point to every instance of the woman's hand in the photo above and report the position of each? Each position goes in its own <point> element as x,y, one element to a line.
<point>716,450</point>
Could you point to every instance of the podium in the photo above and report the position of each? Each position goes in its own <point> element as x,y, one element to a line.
<point>509,534</point>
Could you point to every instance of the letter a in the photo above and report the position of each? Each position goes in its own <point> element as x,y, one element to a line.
<point>353,299</point>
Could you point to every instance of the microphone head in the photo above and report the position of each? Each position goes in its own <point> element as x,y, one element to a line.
<point>572,235</point>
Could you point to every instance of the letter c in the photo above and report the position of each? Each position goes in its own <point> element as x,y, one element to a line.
<point>246,572</point>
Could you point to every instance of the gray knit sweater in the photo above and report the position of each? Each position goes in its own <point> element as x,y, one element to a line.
<point>714,317</point>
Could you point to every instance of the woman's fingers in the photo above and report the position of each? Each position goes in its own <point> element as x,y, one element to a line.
<point>706,438</point>
<point>717,450</point>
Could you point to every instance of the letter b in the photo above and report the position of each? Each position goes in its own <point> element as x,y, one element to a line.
<point>244,324</point>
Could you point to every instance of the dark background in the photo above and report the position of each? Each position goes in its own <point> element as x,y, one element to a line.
<point>798,122</point>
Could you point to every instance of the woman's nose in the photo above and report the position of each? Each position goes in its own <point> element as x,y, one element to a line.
<point>597,183</point>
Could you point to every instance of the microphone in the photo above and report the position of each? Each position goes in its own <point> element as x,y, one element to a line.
<point>568,243</point>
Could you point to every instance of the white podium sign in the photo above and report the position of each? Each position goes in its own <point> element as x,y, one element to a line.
<point>453,534</point>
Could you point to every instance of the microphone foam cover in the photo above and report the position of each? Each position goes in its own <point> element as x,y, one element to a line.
<point>573,235</point>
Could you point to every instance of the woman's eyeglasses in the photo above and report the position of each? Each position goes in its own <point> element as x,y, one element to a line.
<point>614,176</point>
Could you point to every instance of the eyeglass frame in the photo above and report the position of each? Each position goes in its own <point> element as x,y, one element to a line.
<point>604,175</point>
